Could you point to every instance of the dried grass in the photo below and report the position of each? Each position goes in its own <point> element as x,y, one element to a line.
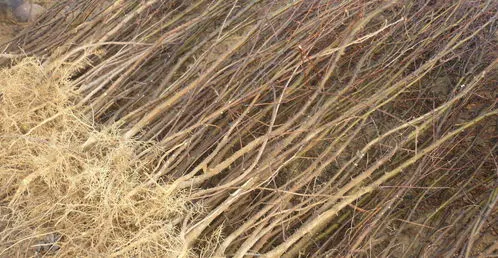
<point>65,179</point>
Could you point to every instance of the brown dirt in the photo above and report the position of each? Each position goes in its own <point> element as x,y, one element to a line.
<point>7,28</point>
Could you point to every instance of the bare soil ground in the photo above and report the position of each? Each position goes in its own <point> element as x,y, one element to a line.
<point>8,26</point>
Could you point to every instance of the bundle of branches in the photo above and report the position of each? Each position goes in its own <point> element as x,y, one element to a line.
<point>303,128</point>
